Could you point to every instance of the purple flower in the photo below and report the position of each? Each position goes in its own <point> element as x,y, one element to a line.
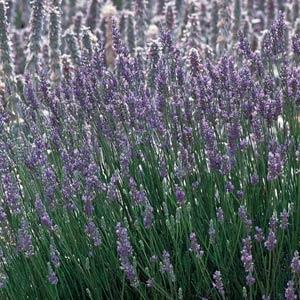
<point>50,185</point>
<point>195,64</point>
<point>273,223</point>
<point>259,235</point>
<point>295,264</point>
<point>3,280</point>
<point>229,187</point>
<point>11,193</point>
<point>54,255</point>
<point>166,265</point>
<point>254,179</point>
<point>275,164</point>
<point>24,239</point>
<point>52,277</point>
<point>240,194</point>
<point>93,233</point>
<point>220,215</point>
<point>290,293</point>
<point>180,196</point>
<point>271,241</point>
<point>209,139</point>
<point>212,231</point>
<point>244,217</point>
<point>148,216</point>
<point>250,280</point>
<point>246,255</point>
<point>218,283</point>
<point>37,155</point>
<point>195,247</point>
<point>112,188</point>
<point>244,46</point>
<point>125,252</point>
<point>234,131</point>
<point>43,215</point>
<point>284,219</point>
<point>247,260</point>
<point>226,164</point>
<point>87,199</point>
<point>150,283</point>
<point>153,259</point>
<point>92,179</point>
<point>139,196</point>
<point>296,44</point>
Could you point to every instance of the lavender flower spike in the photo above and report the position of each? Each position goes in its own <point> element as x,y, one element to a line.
<point>195,247</point>
<point>180,196</point>
<point>52,277</point>
<point>218,283</point>
<point>290,293</point>
<point>24,239</point>
<point>93,233</point>
<point>148,216</point>
<point>166,266</point>
<point>125,252</point>
<point>247,259</point>
<point>271,241</point>
<point>295,264</point>
<point>54,255</point>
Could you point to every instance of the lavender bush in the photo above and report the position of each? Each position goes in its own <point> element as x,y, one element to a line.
<point>149,149</point>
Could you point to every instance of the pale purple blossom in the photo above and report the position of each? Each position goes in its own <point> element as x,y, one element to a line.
<point>218,282</point>
<point>166,265</point>
<point>24,239</point>
<point>54,255</point>
<point>180,196</point>
<point>259,234</point>
<point>52,277</point>
<point>271,241</point>
<point>195,247</point>
<point>243,214</point>
<point>284,219</point>
<point>125,253</point>
<point>212,231</point>
<point>93,233</point>
<point>295,264</point>
<point>148,216</point>
<point>290,293</point>
<point>247,260</point>
<point>220,215</point>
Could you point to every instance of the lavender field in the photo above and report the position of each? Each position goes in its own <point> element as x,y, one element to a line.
<point>150,149</point>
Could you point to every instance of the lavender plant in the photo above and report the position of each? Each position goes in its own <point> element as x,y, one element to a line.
<point>156,153</point>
